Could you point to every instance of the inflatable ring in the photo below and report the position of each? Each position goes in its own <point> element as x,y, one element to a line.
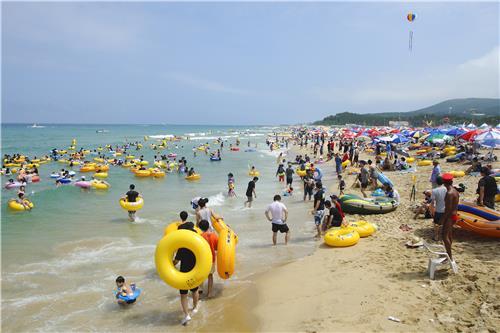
<point>101,174</point>
<point>424,163</point>
<point>301,173</point>
<point>83,184</point>
<point>341,237</point>
<point>87,168</point>
<point>254,173</point>
<point>142,173</point>
<point>175,225</point>
<point>98,159</point>
<point>130,157</point>
<point>194,176</point>
<point>100,168</point>
<point>17,206</point>
<point>346,163</point>
<point>99,185</point>
<point>410,159</point>
<point>158,173</point>
<point>132,206</point>
<point>165,251</point>
<point>226,253</point>
<point>363,228</point>
<point>457,173</point>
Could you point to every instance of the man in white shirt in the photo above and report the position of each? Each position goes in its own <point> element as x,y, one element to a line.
<point>277,214</point>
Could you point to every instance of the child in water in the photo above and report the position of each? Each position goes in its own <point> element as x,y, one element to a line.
<point>230,185</point>
<point>124,290</point>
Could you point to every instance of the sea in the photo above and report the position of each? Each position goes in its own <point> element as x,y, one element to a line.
<point>60,260</point>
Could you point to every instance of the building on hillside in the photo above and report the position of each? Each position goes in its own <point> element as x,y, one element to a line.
<point>399,123</point>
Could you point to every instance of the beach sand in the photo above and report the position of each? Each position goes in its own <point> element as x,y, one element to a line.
<point>358,288</point>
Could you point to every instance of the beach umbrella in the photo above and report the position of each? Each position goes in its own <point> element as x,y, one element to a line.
<point>469,136</point>
<point>456,131</point>
<point>386,138</point>
<point>484,126</point>
<point>489,138</point>
<point>439,138</point>
<point>498,126</point>
<point>400,139</point>
<point>471,126</point>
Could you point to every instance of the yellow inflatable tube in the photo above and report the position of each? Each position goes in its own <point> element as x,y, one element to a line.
<point>341,237</point>
<point>226,253</point>
<point>410,159</point>
<point>346,163</point>
<point>164,255</point>
<point>254,173</point>
<point>424,163</point>
<point>142,173</point>
<point>101,174</point>
<point>219,225</point>
<point>132,206</point>
<point>363,228</point>
<point>175,225</point>
<point>17,206</point>
<point>195,176</point>
<point>301,173</point>
<point>99,185</point>
<point>457,173</point>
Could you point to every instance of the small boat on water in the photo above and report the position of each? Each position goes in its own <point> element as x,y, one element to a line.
<point>36,126</point>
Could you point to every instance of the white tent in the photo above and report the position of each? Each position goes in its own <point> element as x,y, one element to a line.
<point>471,126</point>
<point>484,125</point>
<point>498,126</point>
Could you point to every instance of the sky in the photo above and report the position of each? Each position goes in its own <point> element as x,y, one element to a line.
<point>241,63</point>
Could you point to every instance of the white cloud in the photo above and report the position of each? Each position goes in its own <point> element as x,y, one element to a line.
<point>478,77</point>
<point>208,85</point>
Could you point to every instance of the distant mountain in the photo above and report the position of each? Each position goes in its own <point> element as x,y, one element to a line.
<point>457,111</point>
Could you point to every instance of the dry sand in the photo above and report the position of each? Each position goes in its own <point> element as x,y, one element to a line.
<point>358,288</point>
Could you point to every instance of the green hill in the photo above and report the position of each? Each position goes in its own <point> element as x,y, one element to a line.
<point>458,111</point>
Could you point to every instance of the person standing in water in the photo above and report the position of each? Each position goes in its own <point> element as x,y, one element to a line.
<point>251,192</point>
<point>277,214</point>
<point>450,216</point>
<point>289,176</point>
<point>230,185</point>
<point>131,196</point>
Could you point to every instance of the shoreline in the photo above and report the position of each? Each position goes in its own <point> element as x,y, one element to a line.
<point>358,288</point>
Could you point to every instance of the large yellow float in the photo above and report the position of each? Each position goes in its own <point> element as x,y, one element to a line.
<point>341,237</point>
<point>14,205</point>
<point>132,206</point>
<point>164,255</point>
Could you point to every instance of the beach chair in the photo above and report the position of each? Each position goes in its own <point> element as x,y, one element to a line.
<point>439,258</point>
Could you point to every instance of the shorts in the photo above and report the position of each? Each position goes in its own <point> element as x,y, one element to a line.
<point>437,218</point>
<point>318,216</point>
<point>308,191</point>
<point>249,198</point>
<point>281,178</point>
<point>283,228</point>
<point>289,181</point>
<point>184,292</point>
<point>364,185</point>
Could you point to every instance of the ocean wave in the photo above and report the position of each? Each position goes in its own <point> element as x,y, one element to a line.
<point>50,298</point>
<point>83,254</point>
<point>161,136</point>
<point>216,200</point>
